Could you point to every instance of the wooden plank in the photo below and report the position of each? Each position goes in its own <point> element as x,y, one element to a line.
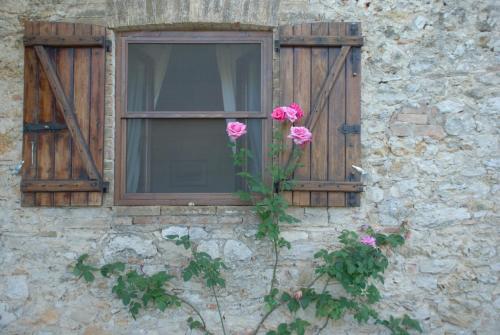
<point>326,88</point>
<point>353,111</point>
<point>320,41</point>
<point>331,186</point>
<point>82,111</point>
<point>96,136</point>
<point>286,97</point>
<point>64,64</point>
<point>45,147</point>
<point>319,145</point>
<point>67,108</point>
<point>60,185</point>
<point>30,113</point>
<point>66,41</point>
<point>302,96</point>
<point>336,117</point>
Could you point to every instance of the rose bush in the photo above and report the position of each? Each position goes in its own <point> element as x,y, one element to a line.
<point>357,265</point>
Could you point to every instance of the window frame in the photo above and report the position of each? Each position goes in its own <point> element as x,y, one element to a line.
<point>264,38</point>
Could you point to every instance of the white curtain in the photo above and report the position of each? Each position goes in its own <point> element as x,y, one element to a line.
<point>160,54</point>
<point>147,71</point>
<point>227,60</point>
<point>137,79</point>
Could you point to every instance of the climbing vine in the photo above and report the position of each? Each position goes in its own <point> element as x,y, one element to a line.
<point>357,265</point>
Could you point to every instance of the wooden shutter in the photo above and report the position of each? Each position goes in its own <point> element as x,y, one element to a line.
<point>320,70</point>
<point>63,121</point>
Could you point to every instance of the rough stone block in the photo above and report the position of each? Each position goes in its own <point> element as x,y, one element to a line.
<point>188,210</point>
<point>188,219</point>
<point>433,131</point>
<point>234,210</point>
<point>174,230</point>
<point>412,118</point>
<point>137,210</point>
<point>294,235</point>
<point>210,247</point>
<point>141,246</point>
<point>401,129</point>
<point>145,220</point>
<point>236,251</point>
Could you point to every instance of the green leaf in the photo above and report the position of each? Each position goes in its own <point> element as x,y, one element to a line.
<point>299,326</point>
<point>88,276</point>
<point>372,294</point>
<point>411,323</point>
<point>112,268</point>
<point>187,275</point>
<point>293,305</point>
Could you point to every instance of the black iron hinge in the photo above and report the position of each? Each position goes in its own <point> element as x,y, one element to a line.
<point>350,129</point>
<point>105,186</point>
<point>277,45</point>
<point>108,45</point>
<point>42,127</point>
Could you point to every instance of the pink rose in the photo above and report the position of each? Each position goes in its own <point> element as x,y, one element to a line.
<point>300,135</point>
<point>235,130</point>
<point>369,240</point>
<point>291,114</point>
<point>299,111</point>
<point>297,295</point>
<point>279,114</point>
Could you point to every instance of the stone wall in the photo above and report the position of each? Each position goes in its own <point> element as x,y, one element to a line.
<point>430,110</point>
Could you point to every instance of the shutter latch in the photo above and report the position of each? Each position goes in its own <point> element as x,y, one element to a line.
<point>350,129</point>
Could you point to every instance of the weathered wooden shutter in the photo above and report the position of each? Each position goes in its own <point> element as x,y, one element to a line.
<point>63,134</point>
<point>320,70</point>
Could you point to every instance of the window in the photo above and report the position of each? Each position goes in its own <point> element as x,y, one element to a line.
<point>175,93</point>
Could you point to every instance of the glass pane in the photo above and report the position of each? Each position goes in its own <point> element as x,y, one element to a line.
<point>194,77</point>
<point>186,156</point>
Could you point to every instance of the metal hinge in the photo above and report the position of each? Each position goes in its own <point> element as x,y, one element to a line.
<point>105,186</point>
<point>108,45</point>
<point>350,129</point>
<point>277,45</point>
<point>41,127</point>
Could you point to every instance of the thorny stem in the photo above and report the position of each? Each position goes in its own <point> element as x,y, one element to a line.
<point>218,309</point>
<point>264,318</point>
<point>323,326</point>
<point>187,303</point>
<point>276,255</point>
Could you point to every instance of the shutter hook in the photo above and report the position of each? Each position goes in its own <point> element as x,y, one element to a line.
<point>18,167</point>
<point>361,171</point>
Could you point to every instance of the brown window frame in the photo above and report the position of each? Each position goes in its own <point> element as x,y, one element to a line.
<point>264,38</point>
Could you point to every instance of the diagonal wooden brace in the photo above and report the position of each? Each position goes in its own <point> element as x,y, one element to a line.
<point>68,112</point>
<point>322,97</point>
